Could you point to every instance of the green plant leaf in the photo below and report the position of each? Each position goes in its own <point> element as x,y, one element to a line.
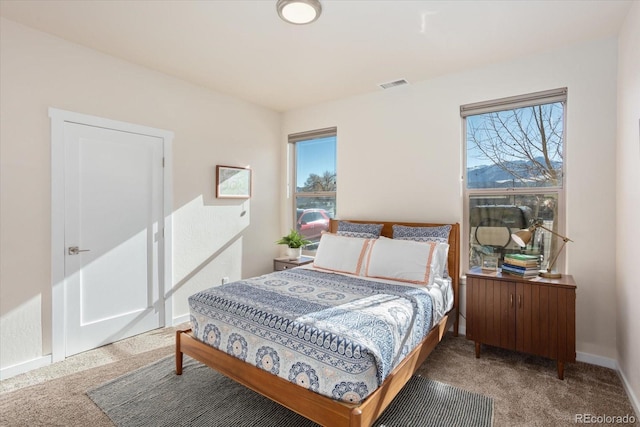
<point>293,240</point>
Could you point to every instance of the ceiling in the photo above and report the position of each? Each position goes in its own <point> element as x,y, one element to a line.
<point>242,48</point>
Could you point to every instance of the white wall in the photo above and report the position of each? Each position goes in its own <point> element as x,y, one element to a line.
<point>212,238</point>
<point>628,204</point>
<point>399,157</point>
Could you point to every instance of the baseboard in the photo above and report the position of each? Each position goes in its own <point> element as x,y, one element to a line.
<point>180,319</point>
<point>627,387</point>
<point>593,359</point>
<point>462,330</point>
<point>21,368</point>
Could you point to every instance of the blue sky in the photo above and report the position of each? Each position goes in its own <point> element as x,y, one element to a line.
<point>315,156</point>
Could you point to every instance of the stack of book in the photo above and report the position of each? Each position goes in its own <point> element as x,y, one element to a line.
<point>522,265</point>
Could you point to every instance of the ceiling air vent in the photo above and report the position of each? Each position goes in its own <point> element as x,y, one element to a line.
<point>389,85</point>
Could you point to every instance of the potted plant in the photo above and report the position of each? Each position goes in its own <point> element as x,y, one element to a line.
<point>294,241</point>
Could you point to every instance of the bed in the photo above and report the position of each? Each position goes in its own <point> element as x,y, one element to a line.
<point>312,403</point>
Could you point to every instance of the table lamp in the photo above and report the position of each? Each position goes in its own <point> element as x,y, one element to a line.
<point>523,237</point>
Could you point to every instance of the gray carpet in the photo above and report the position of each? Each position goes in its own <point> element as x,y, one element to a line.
<point>155,396</point>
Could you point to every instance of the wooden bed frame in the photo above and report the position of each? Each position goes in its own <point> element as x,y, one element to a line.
<point>318,408</point>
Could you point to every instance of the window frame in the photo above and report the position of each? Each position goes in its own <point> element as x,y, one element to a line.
<point>292,141</point>
<point>510,103</point>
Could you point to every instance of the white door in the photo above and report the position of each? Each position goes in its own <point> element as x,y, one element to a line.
<point>113,226</point>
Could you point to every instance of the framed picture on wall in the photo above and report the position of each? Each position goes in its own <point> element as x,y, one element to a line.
<point>233,182</point>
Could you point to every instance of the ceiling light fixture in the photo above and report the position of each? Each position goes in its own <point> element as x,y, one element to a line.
<point>299,12</point>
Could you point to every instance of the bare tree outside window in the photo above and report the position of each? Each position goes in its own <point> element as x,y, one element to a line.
<point>524,143</point>
<point>514,177</point>
<point>324,182</point>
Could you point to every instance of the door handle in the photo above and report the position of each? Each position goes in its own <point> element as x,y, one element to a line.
<point>75,250</point>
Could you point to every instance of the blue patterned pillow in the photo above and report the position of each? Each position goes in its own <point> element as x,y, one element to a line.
<point>439,234</point>
<point>365,231</point>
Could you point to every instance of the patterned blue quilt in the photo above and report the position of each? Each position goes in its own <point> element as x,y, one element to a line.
<point>337,335</point>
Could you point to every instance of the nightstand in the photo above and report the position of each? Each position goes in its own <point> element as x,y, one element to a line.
<point>535,316</point>
<point>285,263</point>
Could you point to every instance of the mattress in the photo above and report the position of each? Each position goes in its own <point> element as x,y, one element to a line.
<point>441,292</point>
<point>335,334</point>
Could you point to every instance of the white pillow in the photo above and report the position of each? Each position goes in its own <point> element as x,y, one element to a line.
<point>402,260</point>
<point>341,254</point>
<point>440,260</point>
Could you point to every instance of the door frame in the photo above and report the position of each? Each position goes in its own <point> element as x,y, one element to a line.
<point>58,283</point>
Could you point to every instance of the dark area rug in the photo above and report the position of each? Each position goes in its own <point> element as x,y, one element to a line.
<point>156,396</point>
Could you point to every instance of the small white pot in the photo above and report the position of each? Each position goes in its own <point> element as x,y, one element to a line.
<point>294,253</point>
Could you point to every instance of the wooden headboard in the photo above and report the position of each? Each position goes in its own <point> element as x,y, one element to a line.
<point>453,264</point>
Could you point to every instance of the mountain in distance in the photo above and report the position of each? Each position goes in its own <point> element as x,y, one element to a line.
<point>493,176</point>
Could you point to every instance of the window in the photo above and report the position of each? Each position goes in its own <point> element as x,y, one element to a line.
<point>514,150</point>
<point>314,192</point>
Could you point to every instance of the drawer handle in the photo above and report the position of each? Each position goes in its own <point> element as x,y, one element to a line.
<point>511,300</point>
<point>520,301</point>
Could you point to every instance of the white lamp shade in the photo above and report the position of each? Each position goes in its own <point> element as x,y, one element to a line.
<point>522,237</point>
